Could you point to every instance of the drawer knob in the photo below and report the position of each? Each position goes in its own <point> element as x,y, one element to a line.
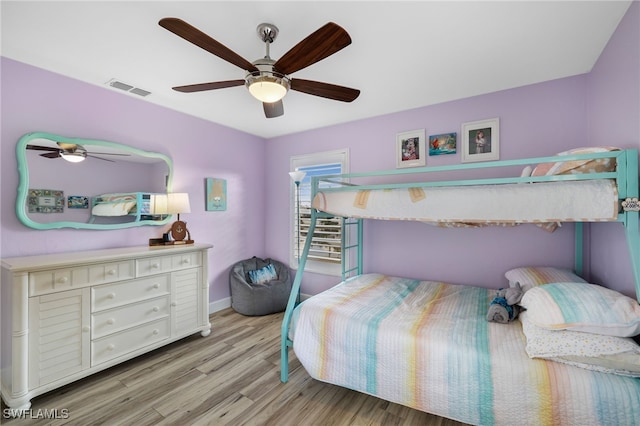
<point>111,295</point>
<point>111,321</point>
<point>111,272</point>
<point>174,304</point>
<point>155,265</point>
<point>111,347</point>
<point>62,280</point>
<point>156,286</point>
<point>156,309</point>
<point>156,331</point>
<point>185,261</point>
<point>86,328</point>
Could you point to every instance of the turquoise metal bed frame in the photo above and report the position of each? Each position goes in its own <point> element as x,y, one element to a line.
<point>626,177</point>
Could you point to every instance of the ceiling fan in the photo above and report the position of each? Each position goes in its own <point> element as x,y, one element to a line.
<point>267,79</point>
<point>71,152</point>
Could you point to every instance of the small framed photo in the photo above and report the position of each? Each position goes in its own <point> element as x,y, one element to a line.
<point>481,140</point>
<point>77,202</point>
<point>411,150</point>
<point>443,144</point>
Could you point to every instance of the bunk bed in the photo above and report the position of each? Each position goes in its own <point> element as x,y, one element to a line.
<point>429,346</point>
<point>134,205</point>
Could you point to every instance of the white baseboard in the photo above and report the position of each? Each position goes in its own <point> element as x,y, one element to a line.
<point>225,303</point>
<point>219,305</point>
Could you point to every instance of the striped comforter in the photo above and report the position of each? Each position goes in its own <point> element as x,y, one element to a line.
<point>427,345</point>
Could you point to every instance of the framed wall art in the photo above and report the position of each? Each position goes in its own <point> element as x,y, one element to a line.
<point>445,143</point>
<point>481,140</point>
<point>411,150</point>
<point>77,202</point>
<point>216,190</point>
<point>45,201</point>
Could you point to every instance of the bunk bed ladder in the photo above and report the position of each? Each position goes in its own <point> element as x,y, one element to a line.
<point>294,300</point>
<point>351,264</point>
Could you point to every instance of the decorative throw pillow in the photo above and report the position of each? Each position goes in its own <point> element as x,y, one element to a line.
<point>582,307</point>
<point>608,354</point>
<point>263,275</point>
<point>598,165</point>
<point>532,276</point>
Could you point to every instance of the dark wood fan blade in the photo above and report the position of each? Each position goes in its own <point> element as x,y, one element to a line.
<point>200,39</point>
<point>201,87</point>
<point>103,159</point>
<point>325,90</point>
<point>273,109</point>
<point>42,148</point>
<point>51,154</point>
<point>110,153</point>
<point>324,42</point>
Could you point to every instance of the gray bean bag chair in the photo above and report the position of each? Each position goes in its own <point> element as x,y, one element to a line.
<point>259,286</point>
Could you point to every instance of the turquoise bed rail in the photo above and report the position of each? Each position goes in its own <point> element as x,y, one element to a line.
<point>625,175</point>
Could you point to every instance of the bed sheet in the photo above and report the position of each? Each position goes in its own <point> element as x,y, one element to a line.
<point>427,345</point>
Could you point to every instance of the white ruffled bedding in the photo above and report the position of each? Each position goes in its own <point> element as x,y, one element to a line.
<point>546,202</point>
<point>428,345</point>
<point>114,205</point>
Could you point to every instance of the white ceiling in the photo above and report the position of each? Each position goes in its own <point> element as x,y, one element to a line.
<point>404,55</point>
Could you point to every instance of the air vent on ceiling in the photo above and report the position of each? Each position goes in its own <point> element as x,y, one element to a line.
<point>127,87</point>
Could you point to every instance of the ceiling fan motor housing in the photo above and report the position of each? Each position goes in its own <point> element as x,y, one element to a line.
<point>266,78</point>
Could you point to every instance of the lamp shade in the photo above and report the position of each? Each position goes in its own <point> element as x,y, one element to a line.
<point>171,203</point>
<point>178,202</point>
<point>297,176</point>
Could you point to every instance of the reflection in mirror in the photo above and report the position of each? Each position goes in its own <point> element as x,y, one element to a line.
<point>87,184</point>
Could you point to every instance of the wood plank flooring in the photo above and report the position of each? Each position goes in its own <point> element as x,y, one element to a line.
<point>231,377</point>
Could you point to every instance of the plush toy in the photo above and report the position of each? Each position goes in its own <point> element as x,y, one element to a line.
<point>504,307</point>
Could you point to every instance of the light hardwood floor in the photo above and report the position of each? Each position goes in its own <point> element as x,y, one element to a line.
<point>231,377</point>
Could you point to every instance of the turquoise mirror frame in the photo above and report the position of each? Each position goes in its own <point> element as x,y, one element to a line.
<point>23,186</point>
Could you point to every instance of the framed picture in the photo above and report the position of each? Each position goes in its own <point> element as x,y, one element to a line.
<point>45,201</point>
<point>77,202</point>
<point>481,140</point>
<point>411,149</point>
<point>216,190</point>
<point>443,144</point>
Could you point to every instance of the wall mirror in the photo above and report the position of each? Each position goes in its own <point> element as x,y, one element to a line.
<point>88,184</point>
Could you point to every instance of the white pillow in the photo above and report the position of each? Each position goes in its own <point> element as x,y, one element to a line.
<point>608,354</point>
<point>582,307</point>
<point>532,276</point>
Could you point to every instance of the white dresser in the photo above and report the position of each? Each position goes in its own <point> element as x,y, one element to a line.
<point>68,315</point>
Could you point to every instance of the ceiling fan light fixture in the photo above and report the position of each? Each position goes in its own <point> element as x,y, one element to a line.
<point>74,156</point>
<point>268,88</point>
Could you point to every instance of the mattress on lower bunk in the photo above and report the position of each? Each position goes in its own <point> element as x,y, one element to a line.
<point>566,201</point>
<point>427,345</point>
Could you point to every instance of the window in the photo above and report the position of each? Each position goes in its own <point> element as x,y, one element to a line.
<point>325,252</point>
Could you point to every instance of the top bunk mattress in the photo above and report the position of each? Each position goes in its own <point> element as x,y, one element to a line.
<point>565,201</point>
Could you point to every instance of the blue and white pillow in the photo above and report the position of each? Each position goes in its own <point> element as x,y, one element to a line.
<point>582,307</point>
<point>263,275</point>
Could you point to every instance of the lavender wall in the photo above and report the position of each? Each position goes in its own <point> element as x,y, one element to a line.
<point>613,118</point>
<point>37,100</point>
<point>536,120</point>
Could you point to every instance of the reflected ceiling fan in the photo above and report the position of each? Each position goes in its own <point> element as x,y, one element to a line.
<point>71,152</point>
<point>267,79</point>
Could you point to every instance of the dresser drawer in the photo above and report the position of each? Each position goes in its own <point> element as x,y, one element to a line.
<point>127,316</point>
<point>117,344</point>
<point>117,294</point>
<point>160,264</point>
<point>53,280</point>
